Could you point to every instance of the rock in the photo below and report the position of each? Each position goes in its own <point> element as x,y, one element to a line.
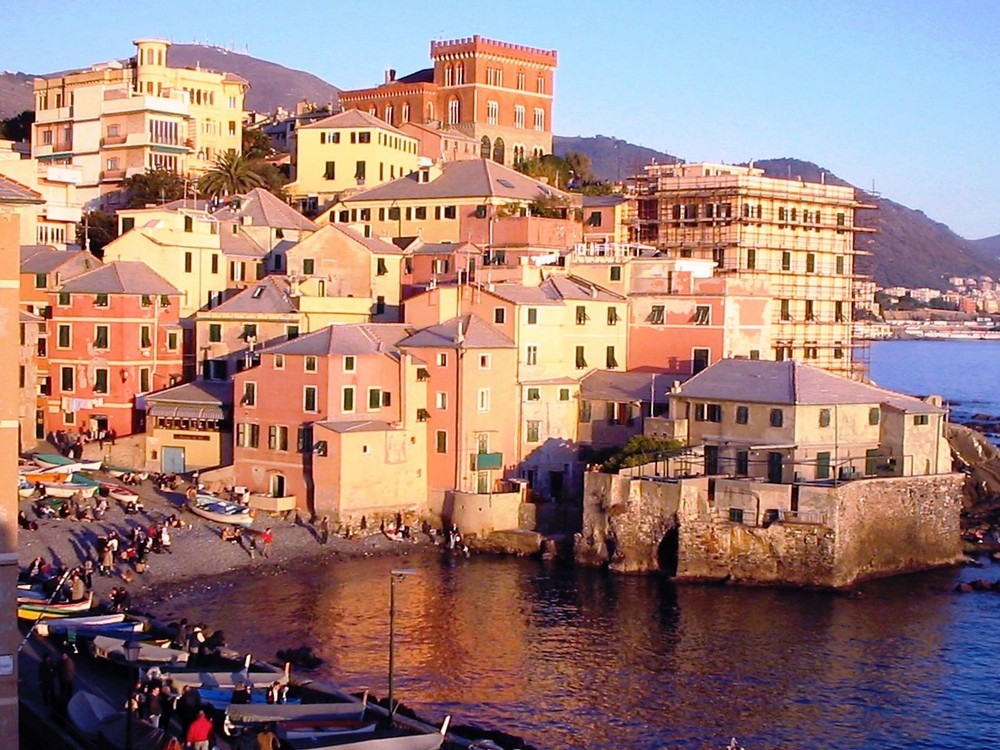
<point>982,585</point>
<point>963,588</point>
<point>510,542</point>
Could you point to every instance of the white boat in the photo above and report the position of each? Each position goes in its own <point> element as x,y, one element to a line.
<point>121,493</point>
<point>218,510</point>
<point>61,625</point>
<point>227,680</point>
<point>323,729</point>
<point>254,713</point>
<point>386,740</point>
<point>68,489</point>
<point>110,648</point>
<point>25,489</point>
<point>61,463</point>
<point>88,711</point>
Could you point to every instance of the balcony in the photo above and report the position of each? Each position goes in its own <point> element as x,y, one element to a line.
<point>51,149</point>
<point>63,212</point>
<point>112,175</point>
<point>114,140</point>
<point>63,174</point>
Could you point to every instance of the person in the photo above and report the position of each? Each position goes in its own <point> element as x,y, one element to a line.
<point>77,589</point>
<point>276,692</point>
<point>181,634</point>
<point>107,559</point>
<point>25,523</point>
<point>165,540</point>
<point>199,734</point>
<point>112,434</point>
<point>324,529</point>
<point>267,739</point>
<point>241,695</point>
<point>192,493</point>
<point>47,679</point>
<point>188,706</point>
<point>87,573</point>
<point>65,674</point>
<point>267,538</point>
<point>154,706</point>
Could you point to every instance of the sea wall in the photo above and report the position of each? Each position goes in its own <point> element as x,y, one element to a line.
<point>764,534</point>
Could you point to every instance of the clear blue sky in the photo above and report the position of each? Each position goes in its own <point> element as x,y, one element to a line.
<point>902,96</point>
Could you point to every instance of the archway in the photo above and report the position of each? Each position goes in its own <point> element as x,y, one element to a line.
<point>498,150</point>
<point>666,553</point>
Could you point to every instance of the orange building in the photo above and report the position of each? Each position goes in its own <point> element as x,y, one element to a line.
<point>114,334</point>
<point>499,93</point>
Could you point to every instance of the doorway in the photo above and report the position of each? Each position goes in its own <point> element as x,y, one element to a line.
<point>711,459</point>
<point>173,460</point>
<point>556,485</point>
<point>775,467</point>
<point>277,485</point>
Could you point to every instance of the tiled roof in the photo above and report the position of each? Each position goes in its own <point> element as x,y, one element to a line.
<point>473,178</point>
<point>424,75</point>
<point>14,192</point>
<point>609,385</point>
<point>353,118</point>
<point>600,201</point>
<point>759,381</point>
<point>201,392</point>
<point>348,338</point>
<point>269,295</point>
<point>265,210</point>
<point>241,245</point>
<point>570,287</point>
<point>45,259</point>
<point>23,316</point>
<point>356,425</point>
<point>526,295</point>
<point>375,245</point>
<point>475,334</point>
<point>445,248</point>
<point>120,277</point>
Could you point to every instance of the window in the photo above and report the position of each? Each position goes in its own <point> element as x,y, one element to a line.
<point>350,363</point>
<point>380,305</point>
<point>249,332</point>
<point>534,394</point>
<point>453,112</point>
<point>440,400</point>
<point>751,259</point>
<point>823,465</point>
<point>699,412</point>
<point>714,413</point>
<point>840,265</point>
<point>777,418</point>
<point>585,411</point>
<point>810,310</point>
<point>742,463</point>
<point>539,118</point>
<point>359,171</point>
<point>101,380</point>
<point>40,280</point>
<point>786,311</point>
<point>308,266</point>
<point>100,300</point>
<point>450,212</point>
<point>146,300</point>
<point>656,315</point>
<point>380,267</point>
<point>532,431</point>
<point>699,360</point>
<point>64,339</point>
<point>102,336</point>
<point>532,316</point>
<point>612,316</point>
<point>215,332</point>
<point>248,435</point>
<point>742,415</point>
<point>347,399</point>
<point>484,361</point>
<point>581,315</point>
<point>145,337</point>
<point>364,137</point>
<point>442,359</point>
<point>610,361</point>
<point>484,399</point>
<point>786,261</point>
<point>811,263</point>
<point>374,399</point>
<point>824,417</point>
<point>499,316</point>
<point>249,394</point>
<point>531,355</point>
<point>66,379</point>
<point>279,361</point>
<point>581,359</point>
<point>64,299</point>
<point>492,112</point>
<point>702,315</point>
<point>310,364</point>
<point>838,312</point>
<point>874,415</point>
<point>188,262</point>
<point>277,437</point>
<point>291,332</point>
<point>921,419</point>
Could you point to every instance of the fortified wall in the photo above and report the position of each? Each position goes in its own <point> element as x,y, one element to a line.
<point>771,534</point>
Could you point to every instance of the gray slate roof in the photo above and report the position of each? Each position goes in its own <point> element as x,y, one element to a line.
<point>445,248</point>
<point>355,425</point>
<point>265,210</point>
<point>473,178</point>
<point>269,295</point>
<point>760,381</point>
<point>347,338</point>
<point>476,334</point>
<point>610,385</point>
<point>208,392</point>
<point>352,118</point>
<point>45,258</point>
<point>241,245</point>
<point>554,290</point>
<point>601,201</point>
<point>375,245</point>
<point>14,192</point>
<point>120,277</point>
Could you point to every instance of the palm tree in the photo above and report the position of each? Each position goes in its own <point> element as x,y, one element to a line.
<point>232,174</point>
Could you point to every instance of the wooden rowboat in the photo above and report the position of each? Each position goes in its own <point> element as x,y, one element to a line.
<point>382,740</point>
<point>54,460</point>
<point>30,611</point>
<point>218,510</point>
<point>121,493</point>
<point>68,489</point>
<point>262,713</point>
<point>113,649</point>
<point>61,625</point>
<point>54,475</point>
<point>323,729</point>
<point>88,711</point>
<point>227,680</point>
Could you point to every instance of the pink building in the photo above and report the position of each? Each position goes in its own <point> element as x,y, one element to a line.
<point>113,334</point>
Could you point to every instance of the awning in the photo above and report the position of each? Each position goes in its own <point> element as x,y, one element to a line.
<point>185,411</point>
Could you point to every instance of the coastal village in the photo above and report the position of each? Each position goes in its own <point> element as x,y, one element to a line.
<point>421,340</point>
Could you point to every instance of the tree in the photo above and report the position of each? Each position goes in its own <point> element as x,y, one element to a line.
<point>154,187</point>
<point>256,144</point>
<point>639,450</point>
<point>274,179</point>
<point>550,167</point>
<point>232,174</point>
<point>580,165</point>
<point>100,229</point>
<point>18,127</point>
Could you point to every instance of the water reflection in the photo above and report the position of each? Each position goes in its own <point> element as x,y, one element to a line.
<point>580,658</point>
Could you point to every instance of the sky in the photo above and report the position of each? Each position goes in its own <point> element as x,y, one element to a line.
<point>898,97</point>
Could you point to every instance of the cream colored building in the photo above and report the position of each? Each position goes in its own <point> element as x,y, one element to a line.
<point>115,120</point>
<point>55,221</point>
<point>798,235</point>
<point>348,151</point>
<point>789,422</point>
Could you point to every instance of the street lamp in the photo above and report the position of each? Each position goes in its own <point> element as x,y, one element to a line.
<point>131,649</point>
<point>394,575</point>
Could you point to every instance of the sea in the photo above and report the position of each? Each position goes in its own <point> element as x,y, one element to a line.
<point>580,658</point>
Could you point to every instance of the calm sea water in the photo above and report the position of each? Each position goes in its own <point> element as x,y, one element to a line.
<point>573,658</point>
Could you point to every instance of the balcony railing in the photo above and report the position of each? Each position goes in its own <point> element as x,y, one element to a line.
<point>111,175</point>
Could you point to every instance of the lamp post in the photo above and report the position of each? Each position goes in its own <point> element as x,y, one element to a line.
<point>131,648</point>
<point>394,575</point>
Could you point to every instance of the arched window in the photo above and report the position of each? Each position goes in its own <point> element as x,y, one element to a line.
<point>519,116</point>
<point>430,111</point>
<point>447,75</point>
<point>373,111</point>
<point>404,112</point>
<point>518,153</point>
<point>485,147</point>
<point>453,111</point>
<point>498,151</point>
<point>388,113</point>
<point>492,112</point>
<point>459,74</point>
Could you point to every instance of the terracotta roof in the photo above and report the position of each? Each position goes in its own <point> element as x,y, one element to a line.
<point>759,381</point>
<point>213,392</point>
<point>353,118</point>
<point>476,334</point>
<point>347,338</point>
<point>120,277</point>
<point>269,295</point>
<point>12,191</point>
<point>612,385</point>
<point>265,210</point>
<point>473,178</point>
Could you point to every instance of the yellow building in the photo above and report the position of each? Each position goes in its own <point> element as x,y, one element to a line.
<point>55,221</point>
<point>115,120</point>
<point>797,235</point>
<point>347,151</point>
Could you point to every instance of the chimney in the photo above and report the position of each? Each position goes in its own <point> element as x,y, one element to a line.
<point>459,336</point>
<point>390,75</point>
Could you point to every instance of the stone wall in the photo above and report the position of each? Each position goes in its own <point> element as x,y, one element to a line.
<point>838,536</point>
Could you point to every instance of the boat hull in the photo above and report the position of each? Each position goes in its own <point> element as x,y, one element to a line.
<point>68,489</point>
<point>220,511</point>
<point>30,611</point>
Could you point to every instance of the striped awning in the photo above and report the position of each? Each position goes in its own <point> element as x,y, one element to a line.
<point>185,411</point>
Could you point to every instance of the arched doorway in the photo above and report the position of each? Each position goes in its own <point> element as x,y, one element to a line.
<point>276,485</point>
<point>498,150</point>
<point>485,147</point>
<point>666,553</point>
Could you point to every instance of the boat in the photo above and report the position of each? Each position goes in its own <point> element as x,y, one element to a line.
<point>87,711</point>
<point>50,475</point>
<point>218,510</point>
<point>41,609</point>
<point>222,698</point>
<point>254,713</point>
<point>227,680</point>
<point>25,489</point>
<point>63,624</point>
<point>121,493</point>
<point>68,489</point>
<point>84,480</point>
<point>55,460</point>
<point>113,649</point>
<point>323,728</point>
<point>381,740</point>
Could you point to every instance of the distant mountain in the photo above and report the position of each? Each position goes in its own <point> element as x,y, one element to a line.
<point>612,158</point>
<point>988,247</point>
<point>271,85</point>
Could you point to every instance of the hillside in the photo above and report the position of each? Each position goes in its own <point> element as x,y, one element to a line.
<point>272,85</point>
<point>988,247</point>
<point>612,159</point>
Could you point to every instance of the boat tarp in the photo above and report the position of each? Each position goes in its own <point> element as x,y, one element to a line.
<point>252,712</point>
